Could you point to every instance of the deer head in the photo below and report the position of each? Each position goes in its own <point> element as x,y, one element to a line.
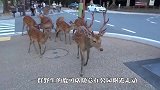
<point>95,39</point>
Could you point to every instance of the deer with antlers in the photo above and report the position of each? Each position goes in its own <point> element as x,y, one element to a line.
<point>86,39</point>
<point>62,26</point>
<point>36,35</point>
<point>46,24</point>
<point>28,21</point>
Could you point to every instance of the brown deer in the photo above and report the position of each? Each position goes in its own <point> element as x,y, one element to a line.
<point>36,35</point>
<point>62,26</point>
<point>81,22</point>
<point>86,39</point>
<point>28,21</point>
<point>78,22</point>
<point>46,24</point>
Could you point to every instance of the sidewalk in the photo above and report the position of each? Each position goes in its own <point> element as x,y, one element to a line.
<point>138,10</point>
<point>21,70</point>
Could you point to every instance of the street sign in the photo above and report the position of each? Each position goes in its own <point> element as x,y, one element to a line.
<point>151,2</point>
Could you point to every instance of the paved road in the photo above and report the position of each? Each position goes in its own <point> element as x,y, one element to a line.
<point>141,25</point>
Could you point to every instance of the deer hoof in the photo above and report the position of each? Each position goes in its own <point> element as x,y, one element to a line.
<point>40,56</point>
<point>81,75</point>
<point>85,64</point>
<point>50,38</point>
<point>77,57</point>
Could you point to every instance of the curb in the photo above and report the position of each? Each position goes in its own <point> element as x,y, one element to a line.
<point>118,12</point>
<point>125,37</point>
<point>134,38</point>
<point>132,13</point>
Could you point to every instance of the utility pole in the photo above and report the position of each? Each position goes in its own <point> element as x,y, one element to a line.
<point>49,3</point>
<point>84,7</point>
<point>83,10</point>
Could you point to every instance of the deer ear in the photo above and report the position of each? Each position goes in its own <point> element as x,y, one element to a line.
<point>86,23</point>
<point>92,33</point>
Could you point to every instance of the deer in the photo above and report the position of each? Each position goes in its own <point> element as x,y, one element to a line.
<point>38,36</point>
<point>78,22</point>
<point>62,26</point>
<point>86,39</point>
<point>46,24</point>
<point>28,21</point>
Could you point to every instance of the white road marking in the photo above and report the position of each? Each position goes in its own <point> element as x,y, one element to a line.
<point>97,21</point>
<point>135,38</point>
<point>2,31</point>
<point>7,33</point>
<point>153,22</point>
<point>89,18</point>
<point>7,28</point>
<point>148,19</point>
<point>110,25</point>
<point>128,30</point>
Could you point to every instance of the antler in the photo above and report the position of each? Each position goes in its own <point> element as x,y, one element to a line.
<point>91,21</point>
<point>102,31</point>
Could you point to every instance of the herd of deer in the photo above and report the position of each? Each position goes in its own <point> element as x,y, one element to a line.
<point>83,35</point>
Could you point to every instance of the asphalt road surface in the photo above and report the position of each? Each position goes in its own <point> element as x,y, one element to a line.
<point>141,25</point>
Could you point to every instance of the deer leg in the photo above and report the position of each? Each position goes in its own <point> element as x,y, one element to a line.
<point>44,49</point>
<point>88,51</point>
<point>82,60</point>
<point>30,46</point>
<point>78,52</point>
<point>65,37</point>
<point>56,35</point>
<point>50,34</point>
<point>39,48</point>
<point>70,38</point>
<point>23,29</point>
<point>60,36</point>
<point>57,32</point>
